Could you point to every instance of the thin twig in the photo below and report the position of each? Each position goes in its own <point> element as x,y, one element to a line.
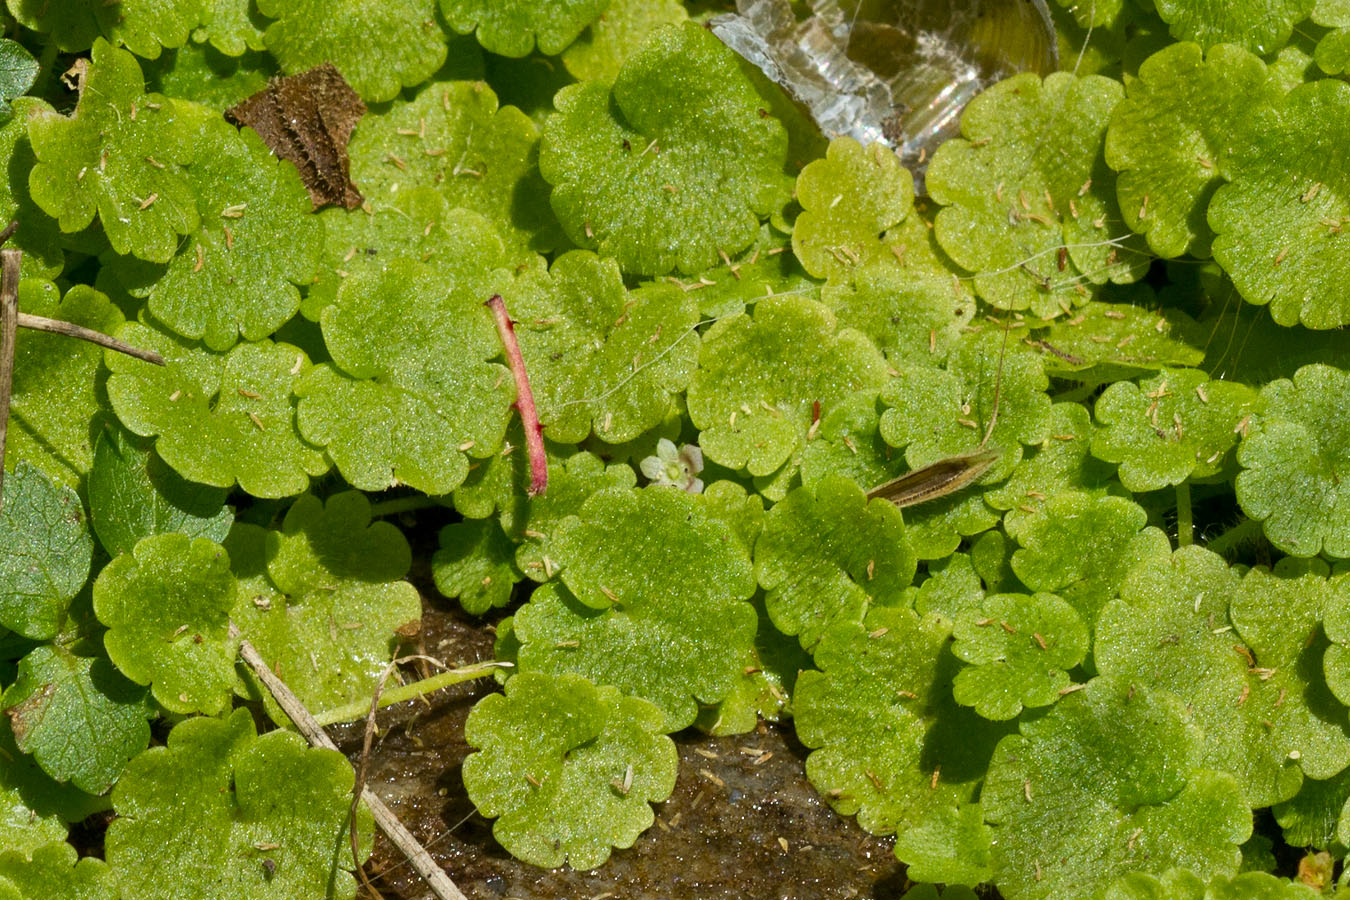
<point>9,329</point>
<point>8,232</point>
<point>400,837</point>
<point>529,414</point>
<point>70,329</point>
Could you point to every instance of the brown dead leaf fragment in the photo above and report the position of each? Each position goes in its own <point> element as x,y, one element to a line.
<point>308,119</point>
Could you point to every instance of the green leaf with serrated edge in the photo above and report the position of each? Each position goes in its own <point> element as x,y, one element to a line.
<point>669,531</point>
<point>826,554</point>
<point>952,587</point>
<point>672,165</point>
<point>379,47</point>
<point>763,689</point>
<point>18,70</point>
<point>59,695</point>
<point>1026,182</point>
<point>1019,649</point>
<point>237,272</point>
<point>735,505</point>
<point>55,871</point>
<point>661,616</point>
<point>1278,614</point>
<point>850,200</point>
<point>475,564</point>
<point>1081,547</point>
<point>532,523</point>
<point>1280,223</point>
<point>1173,884</point>
<point>912,316</point>
<point>167,606</point>
<point>322,543</point>
<point>423,397</point>
<point>1176,426</point>
<point>45,552</point>
<point>55,386</point>
<point>762,380</point>
<point>1261,26</point>
<point>1309,818</point>
<point>848,444</point>
<point>1167,136</point>
<point>208,76</point>
<point>460,244</point>
<point>1061,462</point>
<point>512,27</point>
<point>120,156</point>
<point>937,413</point>
<point>454,138</point>
<point>232,27</point>
<point>936,527</point>
<point>1106,783</point>
<point>601,357</point>
<point>219,800</point>
<point>1170,630</point>
<point>134,494</point>
<point>598,52</point>
<point>40,237</point>
<point>144,26</point>
<point>1104,342</point>
<point>887,742</point>
<point>34,808</point>
<point>951,846</point>
<point>220,419</point>
<point>323,599</point>
<point>1292,457</point>
<point>568,769</point>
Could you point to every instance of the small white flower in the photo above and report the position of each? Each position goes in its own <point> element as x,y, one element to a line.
<point>675,467</point>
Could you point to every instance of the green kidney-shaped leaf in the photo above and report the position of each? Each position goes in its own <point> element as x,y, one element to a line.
<point>1028,203</point>
<point>1172,427</point>
<point>1107,783</point>
<point>674,163</point>
<point>888,744</point>
<point>380,47</point>
<point>1262,26</point>
<point>167,605</point>
<point>56,871</point>
<point>1167,136</point>
<point>761,381</point>
<point>512,27</point>
<point>1280,225</point>
<point>222,813</point>
<point>119,156</point>
<point>567,769</point>
<point>408,409</point>
<point>220,419</point>
<point>1294,460</point>
<point>849,199</point>
<point>237,274</point>
<point>1020,649</point>
<point>826,554</point>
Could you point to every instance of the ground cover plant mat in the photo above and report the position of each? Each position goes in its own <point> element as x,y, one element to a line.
<point>731,475</point>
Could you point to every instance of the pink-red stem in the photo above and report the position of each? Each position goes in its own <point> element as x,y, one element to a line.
<point>529,414</point>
